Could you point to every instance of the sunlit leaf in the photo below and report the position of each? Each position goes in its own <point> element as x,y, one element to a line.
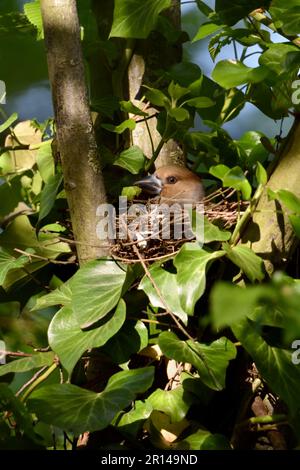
<point>78,410</point>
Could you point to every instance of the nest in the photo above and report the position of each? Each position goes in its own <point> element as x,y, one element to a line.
<point>136,238</point>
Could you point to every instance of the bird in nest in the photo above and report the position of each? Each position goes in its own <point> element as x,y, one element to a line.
<point>174,188</point>
<point>173,184</point>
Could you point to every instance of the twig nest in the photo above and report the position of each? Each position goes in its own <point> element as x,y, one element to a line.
<point>159,233</point>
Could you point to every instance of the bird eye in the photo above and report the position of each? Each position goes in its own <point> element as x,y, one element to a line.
<point>171,179</point>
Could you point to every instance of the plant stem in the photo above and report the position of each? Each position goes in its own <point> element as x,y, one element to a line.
<point>246,216</point>
<point>39,380</point>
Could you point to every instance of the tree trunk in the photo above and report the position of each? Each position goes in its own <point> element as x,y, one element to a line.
<point>150,55</point>
<point>77,147</point>
<point>270,233</point>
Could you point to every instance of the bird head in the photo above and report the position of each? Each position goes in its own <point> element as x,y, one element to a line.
<point>174,184</point>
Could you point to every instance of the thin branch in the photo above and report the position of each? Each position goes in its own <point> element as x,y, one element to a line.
<point>148,274</point>
<point>31,380</point>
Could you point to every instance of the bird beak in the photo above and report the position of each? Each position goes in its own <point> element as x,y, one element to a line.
<point>150,184</point>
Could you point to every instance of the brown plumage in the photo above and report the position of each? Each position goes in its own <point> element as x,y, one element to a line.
<point>173,184</point>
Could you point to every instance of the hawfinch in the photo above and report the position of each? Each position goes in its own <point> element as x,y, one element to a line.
<point>174,184</point>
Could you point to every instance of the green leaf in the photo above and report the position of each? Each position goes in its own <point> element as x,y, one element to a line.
<point>230,303</point>
<point>200,102</point>
<point>127,124</point>
<point>10,196</point>
<point>157,97</point>
<point>48,195</point>
<point>236,179</point>
<point>78,410</point>
<point>175,403</point>
<point>295,221</point>
<point>230,12</point>
<point>176,91</point>
<point>136,19</point>
<point>45,162</point>
<point>8,122</point>
<point>60,296</point>
<point>8,262</point>
<point>205,231</point>
<point>202,440</point>
<point>261,174</point>
<point>191,264</point>
<point>231,73</point>
<point>96,289</point>
<point>131,192</point>
<point>250,263</point>
<point>219,171</point>
<point>211,360</point>
<point>33,12</point>
<point>274,364</point>
<point>289,199</point>
<point>206,29</point>
<point>274,57</point>
<point>132,337</point>
<point>286,15</point>
<point>169,290</point>
<point>131,422</point>
<point>69,342</point>
<point>179,114</point>
<point>28,363</point>
<point>129,107</point>
<point>132,160</point>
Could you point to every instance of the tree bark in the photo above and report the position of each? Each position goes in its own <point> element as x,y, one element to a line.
<point>270,233</point>
<point>154,53</point>
<point>77,147</point>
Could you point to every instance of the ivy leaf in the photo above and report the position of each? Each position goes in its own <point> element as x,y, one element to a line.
<point>132,337</point>
<point>205,231</point>
<point>60,296</point>
<point>289,199</point>
<point>211,360</point>
<point>132,160</point>
<point>78,410</point>
<point>206,29</point>
<point>157,97</point>
<point>287,16</point>
<point>33,12</point>
<point>136,19</point>
<point>232,178</point>
<point>132,421</point>
<point>96,289</point>
<point>169,290</point>
<point>202,440</point>
<point>8,262</point>
<point>275,364</point>
<point>176,91</point>
<point>28,363</point>
<point>200,102</point>
<point>250,263</point>
<point>45,162</point>
<point>127,124</point>
<point>191,264</point>
<point>261,174</point>
<point>129,107</point>
<point>69,342</point>
<point>48,195</point>
<point>230,12</point>
<point>175,403</point>
<point>231,73</point>
<point>179,114</point>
